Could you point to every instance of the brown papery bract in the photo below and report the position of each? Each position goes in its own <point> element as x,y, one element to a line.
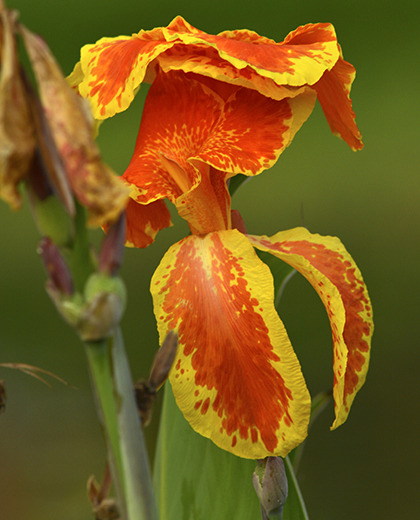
<point>17,141</point>
<point>72,128</point>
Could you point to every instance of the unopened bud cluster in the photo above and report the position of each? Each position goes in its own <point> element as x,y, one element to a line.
<point>97,310</point>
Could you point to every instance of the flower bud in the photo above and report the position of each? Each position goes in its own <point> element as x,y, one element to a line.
<point>59,273</point>
<point>105,302</point>
<point>145,391</point>
<point>164,360</point>
<point>270,484</point>
<point>112,248</point>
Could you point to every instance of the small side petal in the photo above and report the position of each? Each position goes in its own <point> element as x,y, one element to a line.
<point>144,222</point>
<point>333,91</point>
<point>236,378</point>
<point>326,264</point>
<point>113,68</point>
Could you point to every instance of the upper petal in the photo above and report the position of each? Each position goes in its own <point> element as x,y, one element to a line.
<point>185,121</point>
<point>250,135</point>
<point>333,91</point>
<point>113,68</point>
<point>326,264</point>
<point>178,116</point>
<point>236,378</point>
<point>206,61</point>
<point>300,59</point>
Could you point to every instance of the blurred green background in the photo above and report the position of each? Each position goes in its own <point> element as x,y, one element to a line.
<point>50,441</point>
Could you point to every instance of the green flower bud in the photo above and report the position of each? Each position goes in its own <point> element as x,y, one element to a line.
<point>105,298</point>
<point>270,484</point>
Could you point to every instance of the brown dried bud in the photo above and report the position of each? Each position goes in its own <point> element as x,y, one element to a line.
<point>72,128</point>
<point>112,248</point>
<point>145,396</point>
<point>59,273</point>
<point>104,508</point>
<point>164,360</point>
<point>145,391</point>
<point>17,141</point>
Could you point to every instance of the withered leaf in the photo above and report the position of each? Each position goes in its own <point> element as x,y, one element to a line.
<point>17,141</point>
<point>72,127</point>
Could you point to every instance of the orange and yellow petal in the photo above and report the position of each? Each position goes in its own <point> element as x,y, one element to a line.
<point>178,116</point>
<point>250,135</point>
<point>236,378</point>
<point>333,91</point>
<point>144,221</point>
<point>206,208</point>
<point>299,60</point>
<point>206,61</point>
<point>326,264</point>
<point>113,68</point>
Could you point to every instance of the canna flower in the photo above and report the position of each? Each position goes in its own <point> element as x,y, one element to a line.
<point>235,377</point>
<point>306,65</point>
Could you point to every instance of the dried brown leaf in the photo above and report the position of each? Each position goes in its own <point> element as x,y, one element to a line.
<point>34,371</point>
<point>17,141</point>
<point>72,127</point>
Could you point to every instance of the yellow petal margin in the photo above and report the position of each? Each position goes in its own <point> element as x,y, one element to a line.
<point>113,69</point>
<point>301,59</point>
<point>326,264</point>
<point>236,378</point>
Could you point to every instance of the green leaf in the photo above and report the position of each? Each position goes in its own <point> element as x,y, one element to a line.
<point>196,480</point>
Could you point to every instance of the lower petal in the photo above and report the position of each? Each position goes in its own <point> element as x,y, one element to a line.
<point>236,377</point>
<point>325,263</point>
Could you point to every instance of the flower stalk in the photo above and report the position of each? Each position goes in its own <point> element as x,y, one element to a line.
<point>113,387</point>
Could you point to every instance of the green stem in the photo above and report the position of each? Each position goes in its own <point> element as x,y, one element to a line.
<point>78,256</point>
<point>127,451</point>
<point>299,508</point>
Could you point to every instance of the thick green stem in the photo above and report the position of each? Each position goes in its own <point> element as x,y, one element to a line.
<point>127,451</point>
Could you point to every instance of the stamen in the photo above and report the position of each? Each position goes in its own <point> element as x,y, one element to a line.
<point>177,173</point>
